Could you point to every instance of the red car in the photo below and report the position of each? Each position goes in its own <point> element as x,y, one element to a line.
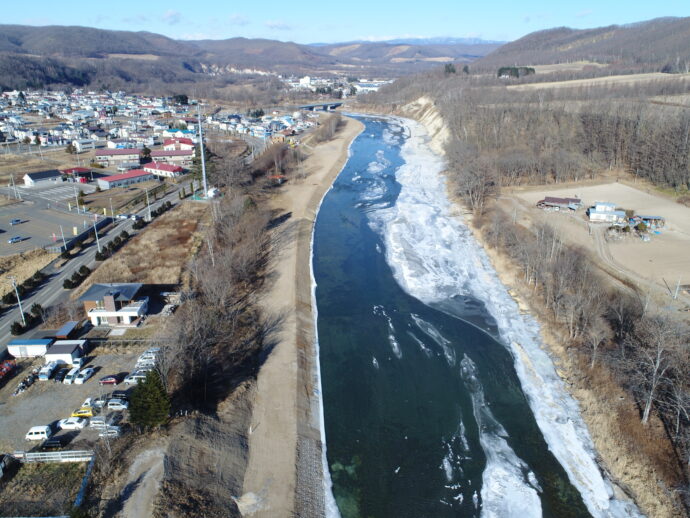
<point>113,379</point>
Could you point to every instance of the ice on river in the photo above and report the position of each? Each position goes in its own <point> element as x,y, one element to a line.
<point>434,256</point>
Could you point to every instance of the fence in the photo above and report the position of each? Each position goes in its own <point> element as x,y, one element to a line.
<point>54,456</point>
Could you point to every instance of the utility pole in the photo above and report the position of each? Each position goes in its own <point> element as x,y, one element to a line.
<point>13,280</point>
<point>98,243</point>
<point>76,197</point>
<point>675,295</point>
<point>203,157</point>
<point>14,186</point>
<point>148,204</point>
<point>112,213</point>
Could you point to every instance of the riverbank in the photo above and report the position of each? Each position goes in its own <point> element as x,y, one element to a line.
<point>284,475</point>
<point>602,403</point>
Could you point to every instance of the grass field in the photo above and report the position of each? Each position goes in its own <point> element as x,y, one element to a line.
<point>120,196</point>
<point>22,266</point>
<point>19,165</point>
<point>159,253</point>
<point>575,66</point>
<point>42,489</point>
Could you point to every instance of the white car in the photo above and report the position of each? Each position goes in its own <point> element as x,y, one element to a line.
<point>73,423</point>
<point>84,375</point>
<point>135,378</point>
<point>110,431</point>
<point>38,433</point>
<point>117,404</point>
<point>98,422</point>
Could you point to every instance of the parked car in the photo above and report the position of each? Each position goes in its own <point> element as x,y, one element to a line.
<point>135,377</point>
<point>83,412</point>
<point>100,401</point>
<point>15,239</point>
<point>120,394</point>
<point>113,379</point>
<point>38,433</point>
<point>117,404</point>
<point>87,403</point>
<point>122,216</point>
<point>73,423</point>
<point>60,375</point>
<point>69,377</point>
<point>149,354</point>
<point>110,431</point>
<point>47,370</point>
<point>134,217</point>
<point>15,221</point>
<point>55,443</point>
<point>83,376</point>
<point>98,422</point>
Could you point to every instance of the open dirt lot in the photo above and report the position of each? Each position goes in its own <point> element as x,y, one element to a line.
<point>39,227</point>
<point>46,401</point>
<point>20,164</point>
<point>665,257</point>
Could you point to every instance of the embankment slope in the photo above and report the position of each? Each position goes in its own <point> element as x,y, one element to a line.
<point>284,476</point>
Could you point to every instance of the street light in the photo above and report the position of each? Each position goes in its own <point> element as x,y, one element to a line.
<point>13,280</point>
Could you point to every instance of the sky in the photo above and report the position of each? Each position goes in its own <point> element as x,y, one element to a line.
<point>310,21</point>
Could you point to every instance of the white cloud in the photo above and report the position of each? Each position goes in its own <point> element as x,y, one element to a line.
<point>238,19</point>
<point>172,17</point>
<point>584,13</point>
<point>277,25</point>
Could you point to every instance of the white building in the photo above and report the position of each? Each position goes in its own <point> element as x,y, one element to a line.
<point>604,212</point>
<point>83,145</point>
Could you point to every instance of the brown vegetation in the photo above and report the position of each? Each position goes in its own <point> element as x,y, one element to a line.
<point>22,266</point>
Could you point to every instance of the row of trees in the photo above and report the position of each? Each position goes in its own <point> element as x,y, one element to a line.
<point>645,348</point>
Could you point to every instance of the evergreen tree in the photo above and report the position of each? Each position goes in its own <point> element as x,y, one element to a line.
<point>149,405</point>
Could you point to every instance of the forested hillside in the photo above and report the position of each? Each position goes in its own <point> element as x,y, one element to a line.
<point>660,44</point>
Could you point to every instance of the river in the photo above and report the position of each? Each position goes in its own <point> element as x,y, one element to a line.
<point>438,398</point>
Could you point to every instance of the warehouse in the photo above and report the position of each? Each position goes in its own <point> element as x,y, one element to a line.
<point>125,179</point>
<point>28,348</point>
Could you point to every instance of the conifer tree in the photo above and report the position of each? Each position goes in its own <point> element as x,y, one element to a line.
<point>149,405</point>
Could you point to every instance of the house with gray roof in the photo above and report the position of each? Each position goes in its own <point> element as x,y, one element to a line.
<point>115,304</point>
<point>42,178</point>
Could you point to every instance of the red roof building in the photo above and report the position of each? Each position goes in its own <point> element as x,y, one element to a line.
<point>181,143</point>
<point>164,169</point>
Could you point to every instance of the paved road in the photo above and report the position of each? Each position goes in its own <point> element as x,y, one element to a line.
<point>52,292</point>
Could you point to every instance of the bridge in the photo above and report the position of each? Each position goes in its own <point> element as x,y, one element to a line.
<point>320,106</point>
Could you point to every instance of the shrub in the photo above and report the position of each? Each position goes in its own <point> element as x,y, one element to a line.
<point>68,284</point>
<point>124,235</point>
<point>37,310</point>
<point>38,276</point>
<point>100,256</point>
<point>65,254</point>
<point>9,298</point>
<point>16,328</point>
<point>84,270</point>
<point>76,278</point>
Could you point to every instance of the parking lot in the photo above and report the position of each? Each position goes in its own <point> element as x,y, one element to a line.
<point>61,192</point>
<point>39,227</point>
<point>46,402</point>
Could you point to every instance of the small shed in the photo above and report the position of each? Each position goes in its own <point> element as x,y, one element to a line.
<point>67,352</point>
<point>28,348</point>
<point>50,177</point>
<point>67,330</point>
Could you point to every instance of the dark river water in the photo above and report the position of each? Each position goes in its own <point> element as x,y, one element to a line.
<point>425,412</point>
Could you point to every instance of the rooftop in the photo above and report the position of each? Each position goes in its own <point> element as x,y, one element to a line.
<point>120,291</point>
<point>134,173</point>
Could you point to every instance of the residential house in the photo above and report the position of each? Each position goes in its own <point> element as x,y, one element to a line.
<point>108,157</point>
<point>83,145</point>
<point>115,304</point>
<point>182,143</point>
<point>604,212</point>
<point>181,157</point>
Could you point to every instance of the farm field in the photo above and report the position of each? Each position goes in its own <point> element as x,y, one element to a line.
<point>609,80</point>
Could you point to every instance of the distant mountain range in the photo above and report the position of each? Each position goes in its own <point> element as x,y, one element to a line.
<point>651,45</point>
<point>36,56</point>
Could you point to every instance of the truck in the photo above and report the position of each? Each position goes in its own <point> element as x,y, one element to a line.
<point>47,371</point>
